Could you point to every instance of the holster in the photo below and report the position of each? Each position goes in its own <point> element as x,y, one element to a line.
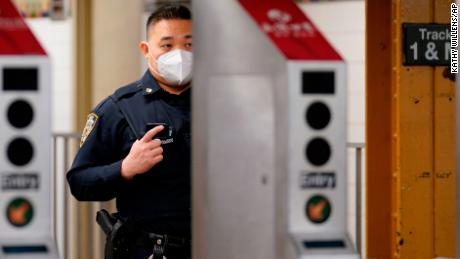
<point>115,246</point>
<point>124,236</point>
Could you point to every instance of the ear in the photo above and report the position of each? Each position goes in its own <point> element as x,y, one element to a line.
<point>144,47</point>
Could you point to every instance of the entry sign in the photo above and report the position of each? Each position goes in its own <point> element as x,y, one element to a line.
<point>426,44</point>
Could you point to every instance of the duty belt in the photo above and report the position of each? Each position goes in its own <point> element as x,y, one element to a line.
<point>123,236</point>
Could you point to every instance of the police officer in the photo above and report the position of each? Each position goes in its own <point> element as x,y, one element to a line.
<point>136,147</point>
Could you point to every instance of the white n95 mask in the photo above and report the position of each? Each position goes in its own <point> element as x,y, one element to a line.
<point>176,67</point>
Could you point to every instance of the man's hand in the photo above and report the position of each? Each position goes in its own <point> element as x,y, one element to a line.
<point>144,154</point>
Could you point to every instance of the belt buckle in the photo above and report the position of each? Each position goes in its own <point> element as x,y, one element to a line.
<point>159,244</point>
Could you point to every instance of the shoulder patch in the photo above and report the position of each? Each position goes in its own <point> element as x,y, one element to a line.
<point>89,126</point>
<point>126,91</point>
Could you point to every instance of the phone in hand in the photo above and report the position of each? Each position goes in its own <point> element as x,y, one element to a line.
<point>164,134</point>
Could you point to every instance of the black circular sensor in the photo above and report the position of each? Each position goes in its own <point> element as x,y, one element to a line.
<point>318,115</point>
<point>20,114</point>
<point>318,151</point>
<point>20,151</point>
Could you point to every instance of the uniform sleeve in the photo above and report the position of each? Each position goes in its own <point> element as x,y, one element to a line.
<point>95,174</point>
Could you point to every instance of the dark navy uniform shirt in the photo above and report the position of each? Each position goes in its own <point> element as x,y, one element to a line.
<point>159,198</point>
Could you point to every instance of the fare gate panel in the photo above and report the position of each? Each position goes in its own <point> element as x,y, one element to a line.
<point>25,140</point>
<point>270,171</point>
<point>317,157</point>
<point>25,160</point>
<point>26,189</point>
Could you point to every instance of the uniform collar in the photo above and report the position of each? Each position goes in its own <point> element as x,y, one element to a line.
<point>148,84</point>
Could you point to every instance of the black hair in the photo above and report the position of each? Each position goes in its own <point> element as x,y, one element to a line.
<point>169,12</point>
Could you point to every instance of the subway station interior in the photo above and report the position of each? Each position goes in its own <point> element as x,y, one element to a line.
<point>321,129</point>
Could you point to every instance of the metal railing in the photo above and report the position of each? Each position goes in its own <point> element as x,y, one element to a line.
<point>63,146</point>
<point>60,184</point>
<point>359,149</point>
<point>80,238</point>
<point>77,237</point>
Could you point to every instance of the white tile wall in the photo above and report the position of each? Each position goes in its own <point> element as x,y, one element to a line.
<point>339,16</point>
<point>56,38</point>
